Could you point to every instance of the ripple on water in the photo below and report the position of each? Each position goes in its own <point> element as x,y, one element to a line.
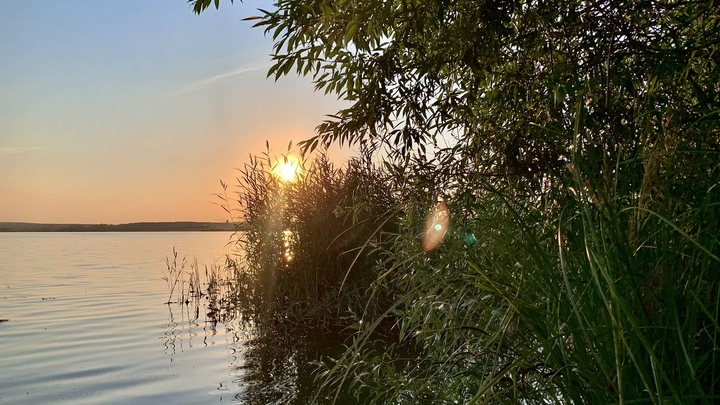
<point>88,325</point>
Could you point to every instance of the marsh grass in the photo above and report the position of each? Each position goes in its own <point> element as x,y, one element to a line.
<point>174,278</point>
<point>594,284</point>
<point>591,292</point>
<point>187,285</point>
<point>300,239</point>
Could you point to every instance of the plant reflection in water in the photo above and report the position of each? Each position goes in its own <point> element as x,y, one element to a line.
<point>196,297</point>
<point>271,362</point>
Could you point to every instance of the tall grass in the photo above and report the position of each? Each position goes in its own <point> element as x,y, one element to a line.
<point>595,290</point>
<point>300,239</point>
<point>587,285</point>
<point>188,286</point>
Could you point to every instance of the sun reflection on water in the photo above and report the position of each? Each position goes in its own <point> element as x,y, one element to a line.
<point>288,240</point>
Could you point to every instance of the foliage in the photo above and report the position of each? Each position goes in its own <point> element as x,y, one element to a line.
<point>300,239</point>
<point>518,305</point>
<point>576,145</point>
<point>504,77</point>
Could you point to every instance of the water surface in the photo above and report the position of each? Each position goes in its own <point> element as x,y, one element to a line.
<point>87,323</point>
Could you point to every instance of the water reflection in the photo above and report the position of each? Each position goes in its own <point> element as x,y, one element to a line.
<point>268,364</point>
<point>87,324</point>
<point>271,361</point>
<point>183,332</point>
<point>277,364</point>
<point>289,241</point>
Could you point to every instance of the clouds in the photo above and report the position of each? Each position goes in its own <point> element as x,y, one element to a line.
<point>201,84</point>
<point>11,150</point>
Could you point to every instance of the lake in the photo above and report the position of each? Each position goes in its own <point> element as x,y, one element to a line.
<point>88,324</point>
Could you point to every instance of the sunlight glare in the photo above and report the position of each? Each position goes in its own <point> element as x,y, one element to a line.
<point>287,171</point>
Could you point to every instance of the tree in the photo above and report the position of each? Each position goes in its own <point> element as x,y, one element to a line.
<point>502,76</point>
<point>582,139</point>
<point>505,83</point>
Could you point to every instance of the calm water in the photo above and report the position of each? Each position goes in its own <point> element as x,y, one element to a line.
<point>87,325</point>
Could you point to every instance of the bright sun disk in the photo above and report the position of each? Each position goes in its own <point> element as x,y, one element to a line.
<point>287,171</point>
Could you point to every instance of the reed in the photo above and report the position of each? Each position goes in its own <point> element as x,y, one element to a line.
<point>187,285</point>
<point>298,249</point>
<point>590,285</point>
<point>174,277</point>
<point>596,290</point>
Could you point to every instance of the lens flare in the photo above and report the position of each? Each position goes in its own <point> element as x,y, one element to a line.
<point>436,226</point>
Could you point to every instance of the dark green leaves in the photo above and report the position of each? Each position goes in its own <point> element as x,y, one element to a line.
<point>199,6</point>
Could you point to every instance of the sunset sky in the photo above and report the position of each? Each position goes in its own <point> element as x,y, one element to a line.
<point>134,110</point>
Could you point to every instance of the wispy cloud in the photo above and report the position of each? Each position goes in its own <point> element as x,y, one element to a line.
<point>201,84</point>
<point>11,150</point>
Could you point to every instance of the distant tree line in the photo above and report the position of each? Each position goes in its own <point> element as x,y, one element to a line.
<point>131,227</point>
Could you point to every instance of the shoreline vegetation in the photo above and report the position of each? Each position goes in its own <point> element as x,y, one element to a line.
<point>534,216</point>
<point>180,226</point>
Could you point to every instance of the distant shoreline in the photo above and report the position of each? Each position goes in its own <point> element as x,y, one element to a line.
<point>184,226</point>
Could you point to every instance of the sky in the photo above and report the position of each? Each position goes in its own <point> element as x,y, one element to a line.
<point>134,110</point>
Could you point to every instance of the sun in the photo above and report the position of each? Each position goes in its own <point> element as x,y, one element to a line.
<point>287,171</point>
